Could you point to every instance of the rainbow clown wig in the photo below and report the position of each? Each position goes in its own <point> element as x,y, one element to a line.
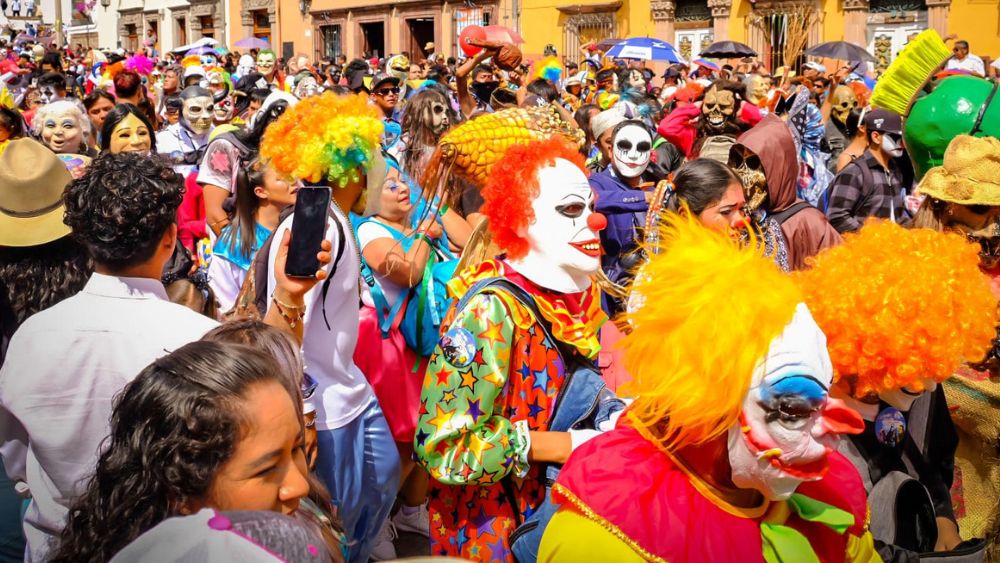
<point>513,184</point>
<point>711,308</point>
<point>900,306</point>
<point>324,138</point>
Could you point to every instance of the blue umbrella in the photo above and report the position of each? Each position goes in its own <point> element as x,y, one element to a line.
<point>645,48</point>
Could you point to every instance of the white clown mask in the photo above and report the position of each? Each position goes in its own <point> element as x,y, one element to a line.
<point>565,249</point>
<point>789,423</point>
<point>631,148</point>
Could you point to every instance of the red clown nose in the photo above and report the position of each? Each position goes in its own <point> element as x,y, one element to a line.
<point>597,222</point>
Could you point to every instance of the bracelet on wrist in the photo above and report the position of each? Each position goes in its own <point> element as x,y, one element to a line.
<point>286,311</point>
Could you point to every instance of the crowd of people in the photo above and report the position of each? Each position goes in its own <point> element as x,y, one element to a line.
<point>799,268</point>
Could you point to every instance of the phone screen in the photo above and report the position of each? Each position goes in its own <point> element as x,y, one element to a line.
<point>308,227</point>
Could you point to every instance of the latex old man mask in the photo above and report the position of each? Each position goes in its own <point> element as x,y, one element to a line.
<point>197,110</point>
<point>564,248</point>
<point>757,88</point>
<point>789,422</point>
<point>749,168</point>
<point>265,63</point>
<point>718,108</point>
<point>842,102</point>
<point>631,148</point>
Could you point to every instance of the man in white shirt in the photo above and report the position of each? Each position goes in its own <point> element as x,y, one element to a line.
<point>964,60</point>
<point>65,364</point>
<point>357,457</point>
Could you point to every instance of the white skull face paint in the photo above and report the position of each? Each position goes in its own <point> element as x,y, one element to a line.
<point>892,144</point>
<point>47,94</point>
<point>630,150</point>
<point>439,118</point>
<point>198,113</point>
<point>564,248</point>
<point>789,423</point>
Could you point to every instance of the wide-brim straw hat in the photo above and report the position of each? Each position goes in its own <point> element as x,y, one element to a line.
<point>32,180</point>
<point>969,174</point>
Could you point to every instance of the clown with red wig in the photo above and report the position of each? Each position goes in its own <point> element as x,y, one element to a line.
<point>507,351</point>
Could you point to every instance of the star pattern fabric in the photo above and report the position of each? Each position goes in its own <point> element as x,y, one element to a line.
<point>467,435</point>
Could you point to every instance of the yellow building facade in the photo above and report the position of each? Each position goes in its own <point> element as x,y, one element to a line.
<point>324,29</point>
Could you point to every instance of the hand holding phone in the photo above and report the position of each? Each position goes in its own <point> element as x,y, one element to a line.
<point>312,204</point>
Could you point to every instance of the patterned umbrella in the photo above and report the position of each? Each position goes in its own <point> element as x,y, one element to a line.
<point>645,48</point>
<point>728,50</point>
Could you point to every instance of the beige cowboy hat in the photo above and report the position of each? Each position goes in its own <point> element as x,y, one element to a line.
<point>969,174</point>
<point>32,180</point>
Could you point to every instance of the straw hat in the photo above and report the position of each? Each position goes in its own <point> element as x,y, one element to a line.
<point>32,180</point>
<point>969,175</point>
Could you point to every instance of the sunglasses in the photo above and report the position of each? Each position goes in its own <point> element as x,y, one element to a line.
<point>387,91</point>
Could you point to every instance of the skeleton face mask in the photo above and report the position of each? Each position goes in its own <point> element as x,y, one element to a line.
<point>439,119</point>
<point>749,168</point>
<point>718,107</point>
<point>563,239</point>
<point>306,87</point>
<point>265,64</point>
<point>842,102</point>
<point>789,423</point>
<point>198,112</point>
<point>630,150</point>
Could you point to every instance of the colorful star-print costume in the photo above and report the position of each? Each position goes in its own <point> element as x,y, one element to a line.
<point>493,377</point>
<point>624,498</point>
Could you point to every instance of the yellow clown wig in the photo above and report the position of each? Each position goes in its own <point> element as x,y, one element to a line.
<point>710,309</point>
<point>900,306</point>
<point>325,137</point>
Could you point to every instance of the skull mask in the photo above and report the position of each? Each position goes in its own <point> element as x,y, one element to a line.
<point>842,102</point>
<point>631,145</point>
<point>749,168</point>
<point>439,118</point>
<point>757,87</point>
<point>306,87</point>
<point>197,111</point>
<point>718,108</point>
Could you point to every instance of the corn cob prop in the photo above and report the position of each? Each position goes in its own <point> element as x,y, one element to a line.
<point>936,110</point>
<point>470,150</point>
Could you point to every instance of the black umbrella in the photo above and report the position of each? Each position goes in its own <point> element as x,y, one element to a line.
<point>727,50</point>
<point>841,50</point>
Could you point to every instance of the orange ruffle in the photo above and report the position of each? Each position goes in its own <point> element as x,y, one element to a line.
<point>575,319</point>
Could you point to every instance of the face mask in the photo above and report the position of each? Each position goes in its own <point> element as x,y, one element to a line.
<point>751,172</point>
<point>891,147</point>
<point>483,90</point>
<point>198,113</point>
<point>630,150</point>
<point>439,119</point>
<point>717,108</point>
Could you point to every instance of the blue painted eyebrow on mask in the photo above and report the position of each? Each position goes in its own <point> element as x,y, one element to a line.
<point>796,384</point>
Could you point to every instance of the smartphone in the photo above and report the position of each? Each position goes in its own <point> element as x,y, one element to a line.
<point>312,204</point>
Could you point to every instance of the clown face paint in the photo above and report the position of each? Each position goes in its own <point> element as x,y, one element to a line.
<point>265,64</point>
<point>892,144</point>
<point>198,113</point>
<point>630,150</point>
<point>130,135</point>
<point>62,133</point>
<point>48,94</point>
<point>564,245</point>
<point>717,108</point>
<point>789,423</point>
<point>223,110</point>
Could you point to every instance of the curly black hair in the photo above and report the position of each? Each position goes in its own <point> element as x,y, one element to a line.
<point>172,429</point>
<point>33,278</point>
<point>120,209</point>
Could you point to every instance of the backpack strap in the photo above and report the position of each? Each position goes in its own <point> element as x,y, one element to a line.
<point>786,214</point>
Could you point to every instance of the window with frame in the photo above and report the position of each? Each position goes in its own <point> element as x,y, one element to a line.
<point>207,26</point>
<point>262,25</point>
<point>131,37</point>
<point>332,41</point>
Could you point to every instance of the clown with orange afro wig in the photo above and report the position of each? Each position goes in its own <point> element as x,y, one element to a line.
<point>726,452</point>
<point>902,311</point>
<point>505,353</point>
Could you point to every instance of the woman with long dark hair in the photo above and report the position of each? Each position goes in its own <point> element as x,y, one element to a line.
<point>127,129</point>
<point>211,425</point>
<point>260,196</point>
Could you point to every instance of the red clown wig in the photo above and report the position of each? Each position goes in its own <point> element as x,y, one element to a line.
<point>513,184</point>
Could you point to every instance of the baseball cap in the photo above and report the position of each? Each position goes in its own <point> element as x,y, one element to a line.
<point>815,66</point>
<point>382,78</point>
<point>883,121</point>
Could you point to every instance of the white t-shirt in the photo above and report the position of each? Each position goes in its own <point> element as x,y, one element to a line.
<point>342,392</point>
<point>970,63</point>
<point>218,166</point>
<point>63,369</point>
<point>367,233</point>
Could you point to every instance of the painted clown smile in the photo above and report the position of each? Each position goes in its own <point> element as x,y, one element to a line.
<point>808,471</point>
<point>589,247</point>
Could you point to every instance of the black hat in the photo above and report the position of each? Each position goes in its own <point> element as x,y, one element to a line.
<point>883,121</point>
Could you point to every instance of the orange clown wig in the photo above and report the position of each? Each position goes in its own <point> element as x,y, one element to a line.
<point>704,311</point>
<point>513,183</point>
<point>900,306</point>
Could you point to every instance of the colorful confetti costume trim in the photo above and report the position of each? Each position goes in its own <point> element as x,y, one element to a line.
<point>493,377</point>
<point>626,499</point>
